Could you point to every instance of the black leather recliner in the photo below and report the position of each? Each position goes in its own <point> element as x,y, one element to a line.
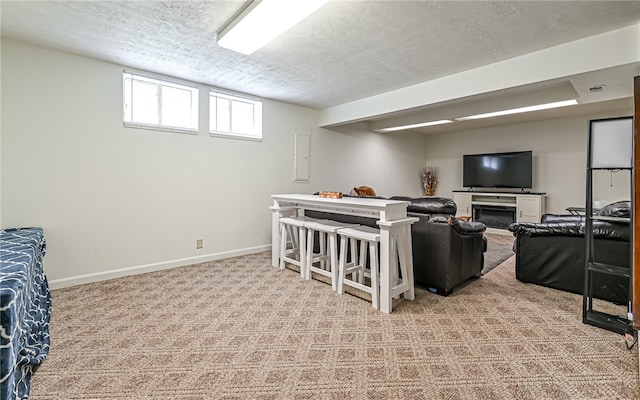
<point>553,253</point>
<point>446,252</point>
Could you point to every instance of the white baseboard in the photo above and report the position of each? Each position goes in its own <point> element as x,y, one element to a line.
<point>141,269</point>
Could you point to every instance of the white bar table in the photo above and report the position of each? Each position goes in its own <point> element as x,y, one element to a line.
<point>395,229</point>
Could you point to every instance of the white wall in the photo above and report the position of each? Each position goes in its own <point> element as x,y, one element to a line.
<point>116,200</point>
<point>352,156</point>
<point>559,158</point>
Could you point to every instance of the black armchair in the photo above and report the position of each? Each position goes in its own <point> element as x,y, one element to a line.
<point>552,253</point>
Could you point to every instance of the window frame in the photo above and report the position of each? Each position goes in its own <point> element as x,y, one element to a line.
<point>168,82</point>
<point>256,132</point>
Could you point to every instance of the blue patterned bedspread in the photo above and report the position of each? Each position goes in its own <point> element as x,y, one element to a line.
<point>25,309</point>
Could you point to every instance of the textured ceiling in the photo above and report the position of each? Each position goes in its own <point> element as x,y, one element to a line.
<point>346,51</point>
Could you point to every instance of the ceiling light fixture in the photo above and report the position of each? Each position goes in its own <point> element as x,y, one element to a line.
<point>520,110</point>
<point>262,21</point>
<point>420,125</point>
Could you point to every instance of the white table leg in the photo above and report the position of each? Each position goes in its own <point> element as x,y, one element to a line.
<point>386,302</point>
<point>400,233</point>
<point>275,236</point>
<point>406,255</point>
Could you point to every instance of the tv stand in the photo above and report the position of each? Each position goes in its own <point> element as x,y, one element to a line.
<point>498,209</point>
<point>522,190</point>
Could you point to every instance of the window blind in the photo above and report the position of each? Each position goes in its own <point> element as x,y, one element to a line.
<point>154,103</point>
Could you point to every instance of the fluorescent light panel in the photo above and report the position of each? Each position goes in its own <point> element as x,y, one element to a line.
<point>264,21</point>
<point>520,110</point>
<point>420,125</point>
<point>487,115</point>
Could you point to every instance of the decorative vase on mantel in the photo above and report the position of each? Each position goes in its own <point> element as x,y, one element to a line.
<point>428,176</point>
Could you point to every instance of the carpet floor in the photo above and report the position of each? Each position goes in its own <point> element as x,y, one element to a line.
<point>499,248</point>
<point>240,329</point>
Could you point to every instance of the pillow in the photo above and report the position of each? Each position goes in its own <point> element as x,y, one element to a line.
<point>618,209</point>
<point>364,191</point>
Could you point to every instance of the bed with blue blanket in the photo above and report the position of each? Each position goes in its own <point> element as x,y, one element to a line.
<point>25,309</point>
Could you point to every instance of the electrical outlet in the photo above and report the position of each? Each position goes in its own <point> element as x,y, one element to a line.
<point>199,243</point>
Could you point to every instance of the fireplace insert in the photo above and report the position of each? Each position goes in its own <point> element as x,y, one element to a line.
<point>494,216</point>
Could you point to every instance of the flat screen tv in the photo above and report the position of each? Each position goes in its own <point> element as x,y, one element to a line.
<point>498,170</point>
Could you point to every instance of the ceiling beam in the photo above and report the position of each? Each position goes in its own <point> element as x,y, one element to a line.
<point>606,50</point>
<point>497,101</point>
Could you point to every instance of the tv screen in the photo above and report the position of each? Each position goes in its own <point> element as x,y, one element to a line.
<point>498,170</point>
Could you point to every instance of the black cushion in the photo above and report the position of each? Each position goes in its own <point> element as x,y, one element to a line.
<point>429,204</point>
<point>601,229</point>
<point>621,209</point>
<point>562,218</point>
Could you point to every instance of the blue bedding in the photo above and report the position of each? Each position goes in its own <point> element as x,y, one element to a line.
<point>25,309</point>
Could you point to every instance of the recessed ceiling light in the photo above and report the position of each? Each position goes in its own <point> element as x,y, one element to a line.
<point>420,125</point>
<point>520,110</point>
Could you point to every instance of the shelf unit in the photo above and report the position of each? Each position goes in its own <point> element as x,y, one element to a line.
<point>609,147</point>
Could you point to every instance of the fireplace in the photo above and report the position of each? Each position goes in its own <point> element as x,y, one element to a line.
<point>494,216</point>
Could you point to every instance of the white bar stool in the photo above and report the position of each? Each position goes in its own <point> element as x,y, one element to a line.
<point>327,258</point>
<point>295,255</point>
<point>362,235</point>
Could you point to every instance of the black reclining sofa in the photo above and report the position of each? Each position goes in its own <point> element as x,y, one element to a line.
<point>552,253</point>
<point>446,252</point>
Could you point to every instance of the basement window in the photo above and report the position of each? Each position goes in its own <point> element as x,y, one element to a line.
<point>234,116</point>
<point>155,103</point>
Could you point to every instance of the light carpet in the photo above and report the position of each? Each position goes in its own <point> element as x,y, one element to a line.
<point>240,329</point>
